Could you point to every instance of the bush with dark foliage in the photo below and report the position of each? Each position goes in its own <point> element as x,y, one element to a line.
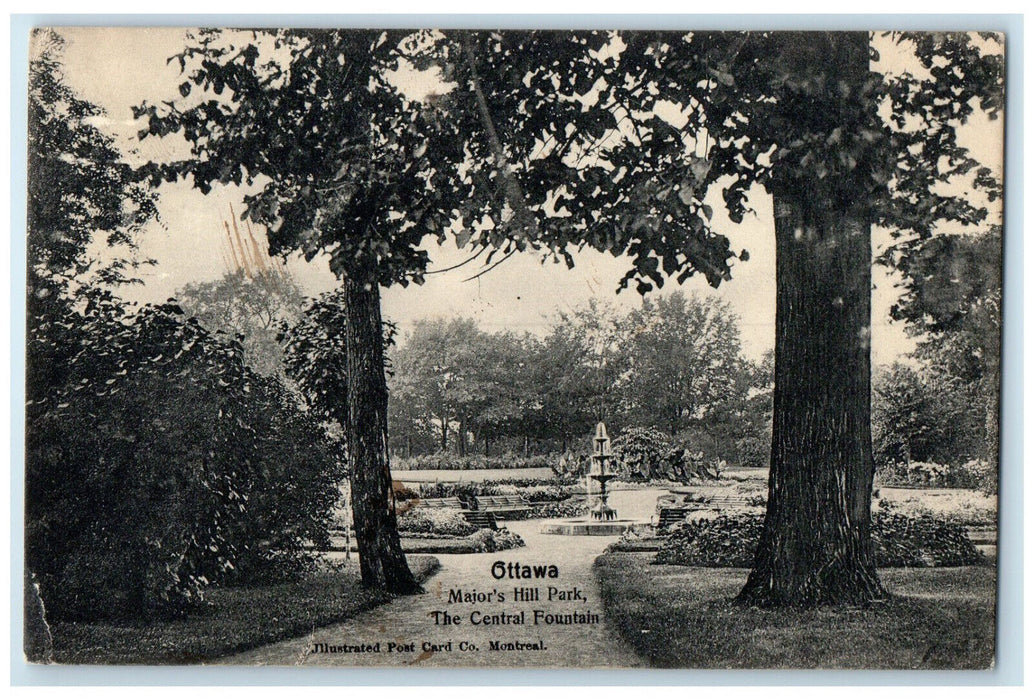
<point>921,541</point>
<point>647,453</point>
<point>157,464</point>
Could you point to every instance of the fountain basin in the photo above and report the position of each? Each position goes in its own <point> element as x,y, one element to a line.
<point>586,527</point>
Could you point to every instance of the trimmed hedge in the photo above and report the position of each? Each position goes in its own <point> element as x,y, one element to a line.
<point>532,489</point>
<point>730,541</point>
<point>446,460</point>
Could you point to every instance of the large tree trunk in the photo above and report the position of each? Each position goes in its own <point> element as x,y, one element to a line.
<point>815,547</point>
<point>381,561</point>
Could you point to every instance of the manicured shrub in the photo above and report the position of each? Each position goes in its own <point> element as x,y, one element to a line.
<point>730,541</point>
<point>555,480</point>
<point>450,461</point>
<point>465,491</point>
<point>435,521</point>
<point>547,492</point>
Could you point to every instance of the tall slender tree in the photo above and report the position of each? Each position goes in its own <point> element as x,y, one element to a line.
<point>352,167</point>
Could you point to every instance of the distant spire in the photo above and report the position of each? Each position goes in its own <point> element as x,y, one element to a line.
<point>238,266</point>
<point>243,255</point>
<point>240,244</point>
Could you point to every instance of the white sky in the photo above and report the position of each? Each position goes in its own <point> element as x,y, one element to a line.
<point>120,68</point>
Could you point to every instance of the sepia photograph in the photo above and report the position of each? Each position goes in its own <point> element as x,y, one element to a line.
<point>513,348</point>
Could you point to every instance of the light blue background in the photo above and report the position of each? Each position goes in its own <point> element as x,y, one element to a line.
<point>1009,664</point>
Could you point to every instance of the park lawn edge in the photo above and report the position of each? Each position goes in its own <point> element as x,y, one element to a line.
<point>937,618</point>
<point>237,619</point>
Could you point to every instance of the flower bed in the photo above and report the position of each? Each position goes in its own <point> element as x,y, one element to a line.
<point>975,474</point>
<point>571,508</point>
<point>532,489</point>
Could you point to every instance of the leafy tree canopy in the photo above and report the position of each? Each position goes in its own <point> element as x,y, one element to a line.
<point>685,358</point>
<point>952,299</point>
<point>80,184</point>
<point>249,308</point>
<point>548,139</point>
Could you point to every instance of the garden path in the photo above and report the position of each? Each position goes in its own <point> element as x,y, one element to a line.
<point>410,620</point>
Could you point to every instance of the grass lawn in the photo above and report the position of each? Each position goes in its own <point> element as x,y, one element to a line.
<point>234,620</point>
<point>682,617</point>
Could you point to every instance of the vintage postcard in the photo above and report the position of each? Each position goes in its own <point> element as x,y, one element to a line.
<point>541,349</point>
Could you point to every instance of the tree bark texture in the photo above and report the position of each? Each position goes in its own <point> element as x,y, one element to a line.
<point>815,547</point>
<point>381,560</point>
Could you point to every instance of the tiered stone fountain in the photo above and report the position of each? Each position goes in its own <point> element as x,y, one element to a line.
<point>602,520</point>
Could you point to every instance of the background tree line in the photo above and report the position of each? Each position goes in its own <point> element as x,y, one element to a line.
<point>675,363</point>
<point>942,407</point>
